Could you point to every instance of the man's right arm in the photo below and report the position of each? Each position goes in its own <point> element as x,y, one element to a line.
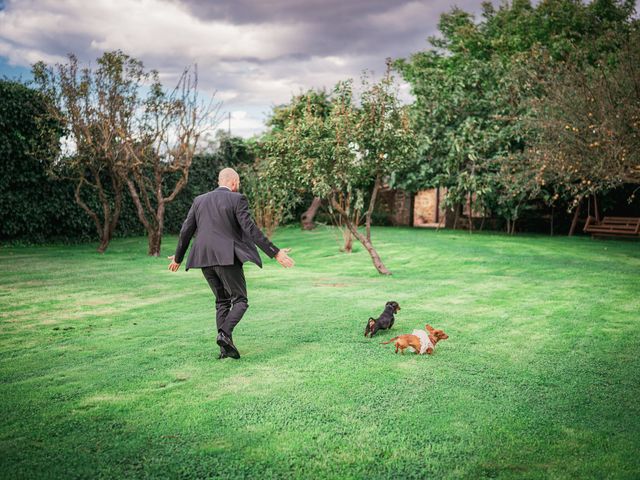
<point>186,233</point>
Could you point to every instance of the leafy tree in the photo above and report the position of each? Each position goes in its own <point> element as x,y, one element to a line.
<point>463,115</point>
<point>383,138</point>
<point>473,88</point>
<point>314,102</point>
<point>269,204</point>
<point>588,124</point>
<point>345,156</point>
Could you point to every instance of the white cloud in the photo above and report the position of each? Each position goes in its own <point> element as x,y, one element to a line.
<point>244,124</point>
<point>250,66</point>
<point>226,95</point>
<point>406,16</point>
<point>25,56</point>
<point>153,28</point>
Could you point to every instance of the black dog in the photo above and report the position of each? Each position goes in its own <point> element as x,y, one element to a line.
<point>384,321</point>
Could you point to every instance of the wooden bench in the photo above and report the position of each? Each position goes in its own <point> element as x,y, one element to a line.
<point>613,227</point>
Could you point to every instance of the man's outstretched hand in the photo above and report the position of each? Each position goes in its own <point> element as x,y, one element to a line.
<point>283,259</point>
<point>173,266</point>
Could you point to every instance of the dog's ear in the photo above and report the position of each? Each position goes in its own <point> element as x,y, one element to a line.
<point>429,328</point>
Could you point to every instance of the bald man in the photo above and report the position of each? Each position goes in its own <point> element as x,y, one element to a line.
<point>227,238</point>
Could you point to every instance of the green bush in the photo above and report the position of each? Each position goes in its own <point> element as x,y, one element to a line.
<point>36,207</point>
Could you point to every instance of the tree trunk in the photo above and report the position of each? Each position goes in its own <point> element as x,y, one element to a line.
<point>574,222</point>
<point>308,216</point>
<point>153,224</point>
<point>469,206</point>
<point>375,258</point>
<point>107,225</point>
<point>451,216</point>
<point>155,240</point>
<point>456,218</point>
<point>104,243</point>
<point>348,241</point>
<point>552,212</point>
<point>372,204</point>
<point>155,234</point>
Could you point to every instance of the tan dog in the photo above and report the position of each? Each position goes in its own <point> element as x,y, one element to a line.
<point>420,341</point>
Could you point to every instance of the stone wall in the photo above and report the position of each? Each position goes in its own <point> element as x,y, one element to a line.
<point>428,208</point>
<point>395,206</point>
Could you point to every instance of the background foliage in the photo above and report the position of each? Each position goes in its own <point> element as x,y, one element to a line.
<point>476,87</point>
<point>524,112</point>
<point>36,207</point>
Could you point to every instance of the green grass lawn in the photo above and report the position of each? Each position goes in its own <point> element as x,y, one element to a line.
<point>108,369</point>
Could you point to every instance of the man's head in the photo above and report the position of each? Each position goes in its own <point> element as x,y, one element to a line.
<point>229,178</point>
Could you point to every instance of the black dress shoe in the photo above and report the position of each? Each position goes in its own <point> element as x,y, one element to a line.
<point>227,345</point>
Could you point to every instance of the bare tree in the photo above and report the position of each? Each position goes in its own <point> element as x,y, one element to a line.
<point>160,149</point>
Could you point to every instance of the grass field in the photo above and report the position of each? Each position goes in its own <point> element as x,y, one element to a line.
<point>108,369</point>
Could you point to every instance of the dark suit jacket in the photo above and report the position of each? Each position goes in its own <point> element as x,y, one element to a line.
<point>225,230</point>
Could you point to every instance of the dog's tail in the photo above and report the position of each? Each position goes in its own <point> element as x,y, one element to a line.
<point>394,338</point>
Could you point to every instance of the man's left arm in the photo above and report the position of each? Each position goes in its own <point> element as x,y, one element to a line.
<point>251,229</point>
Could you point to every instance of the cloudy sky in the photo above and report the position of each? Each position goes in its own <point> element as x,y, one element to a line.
<point>254,53</point>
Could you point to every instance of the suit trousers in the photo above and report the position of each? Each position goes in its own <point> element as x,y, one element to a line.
<point>230,289</point>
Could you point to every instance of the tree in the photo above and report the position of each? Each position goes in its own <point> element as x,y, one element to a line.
<point>315,102</point>
<point>160,145</point>
<point>345,156</point>
<point>588,124</point>
<point>88,103</point>
<point>384,140</point>
<point>120,139</point>
<point>268,202</point>
<point>463,115</point>
<point>473,89</point>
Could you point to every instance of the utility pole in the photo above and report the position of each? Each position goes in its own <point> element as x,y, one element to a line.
<point>229,123</point>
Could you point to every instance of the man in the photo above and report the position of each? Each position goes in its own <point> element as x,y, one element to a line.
<point>227,237</point>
